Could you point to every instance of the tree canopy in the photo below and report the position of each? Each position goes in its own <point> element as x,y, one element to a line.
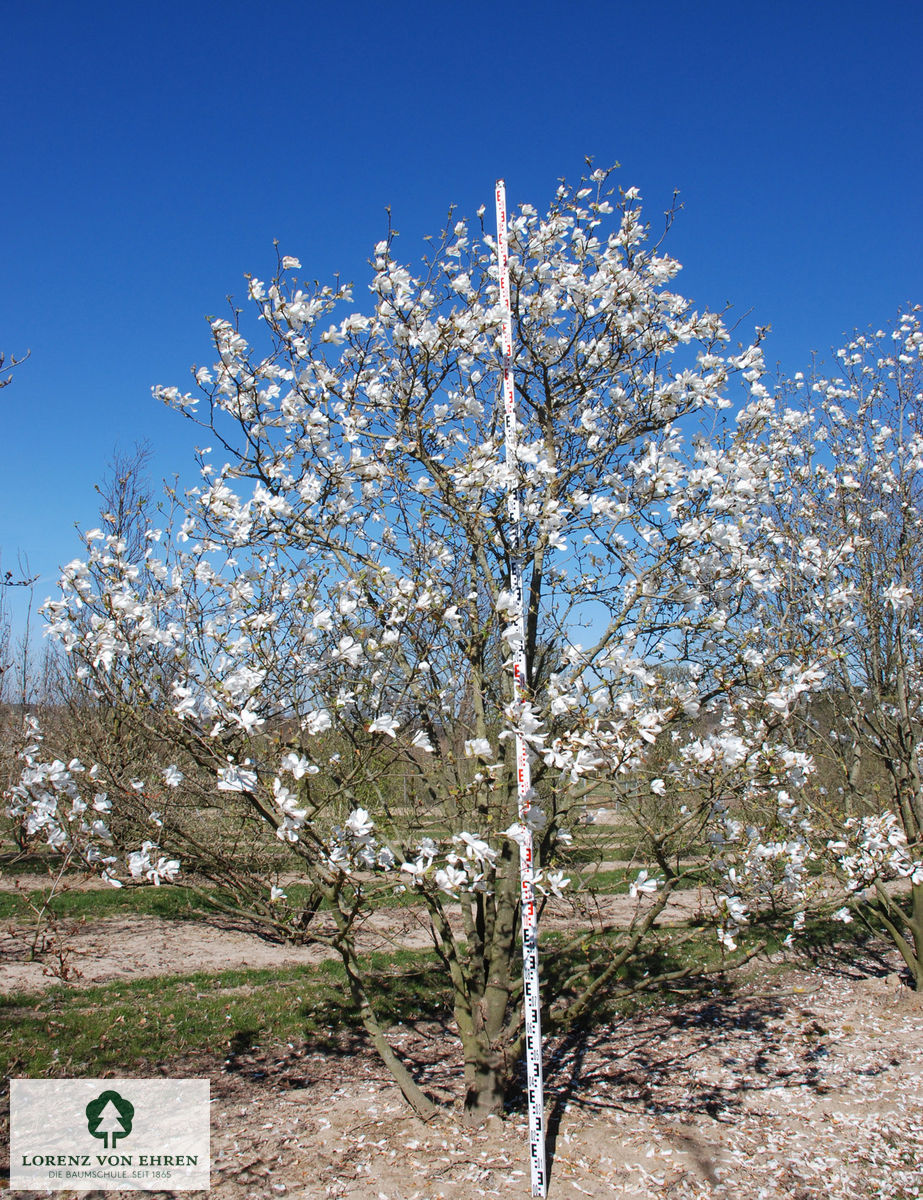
<point>306,674</point>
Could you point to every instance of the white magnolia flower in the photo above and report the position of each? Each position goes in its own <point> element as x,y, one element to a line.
<point>248,720</point>
<point>726,938</point>
<point>172,776</point>
<point>900,598</point>
<point>287,800</point>
<point>140,864</point>
<point>296,764</point>
<point>734,907</point>
<point>288,827</point>
<point>508,604</point>
<point>316,721</point>
<point>323,619</point>
<point>450,879</point>
<point>478,748</point>
<point>644,885</point>
<point>517,833</point>
<point>165,868</point>
<point>557,881</point>
<point>475,847</point>
<point>359,823</point>
<point>385,724</point>
<point>140,860</point>
<point>233,778</point>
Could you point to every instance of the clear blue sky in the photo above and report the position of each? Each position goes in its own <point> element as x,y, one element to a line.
<point>151,153</point>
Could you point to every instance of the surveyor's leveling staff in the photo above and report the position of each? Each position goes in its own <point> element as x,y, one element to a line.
<point>523,774</point>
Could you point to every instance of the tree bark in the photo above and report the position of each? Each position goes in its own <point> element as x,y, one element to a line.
<point>487,1078</point>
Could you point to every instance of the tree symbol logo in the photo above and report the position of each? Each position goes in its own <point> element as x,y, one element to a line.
<point>109,1116</point>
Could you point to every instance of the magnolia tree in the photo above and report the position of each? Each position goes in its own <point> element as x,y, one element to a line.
<point>315,658</point>
<point>851,448</point>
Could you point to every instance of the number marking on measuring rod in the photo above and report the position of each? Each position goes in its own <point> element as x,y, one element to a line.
<point>531,997</point>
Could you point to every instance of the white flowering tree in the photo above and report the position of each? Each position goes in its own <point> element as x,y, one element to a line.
<point>850,446</point>
<point>319,649</point>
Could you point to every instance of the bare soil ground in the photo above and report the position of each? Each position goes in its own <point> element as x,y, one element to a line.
<point>804,1086</point>
<point>802,1082</point>
<point>130,947</point>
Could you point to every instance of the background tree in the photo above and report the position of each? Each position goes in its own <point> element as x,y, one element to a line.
<point>322,645</point>
<point>852,452</point>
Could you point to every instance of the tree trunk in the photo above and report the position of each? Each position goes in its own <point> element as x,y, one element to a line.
<point>916,933</point>
<point>487,1078</point>
<point>413,1094</point>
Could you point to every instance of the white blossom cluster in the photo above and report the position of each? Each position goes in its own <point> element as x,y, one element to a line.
<point>58,804</point>
<point>873,849</point>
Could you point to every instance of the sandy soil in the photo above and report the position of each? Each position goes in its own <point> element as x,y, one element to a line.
<point>133,946</point>
<point>801,1082</point>
<point>806,1087</point>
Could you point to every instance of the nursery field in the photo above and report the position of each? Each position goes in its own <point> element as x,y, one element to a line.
<point>798,1077</point>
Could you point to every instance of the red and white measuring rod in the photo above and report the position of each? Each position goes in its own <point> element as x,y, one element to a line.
<point>532,1001</point>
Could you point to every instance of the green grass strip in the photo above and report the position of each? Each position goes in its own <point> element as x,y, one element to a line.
<point>134,1025</point>
<point>131,1025</point>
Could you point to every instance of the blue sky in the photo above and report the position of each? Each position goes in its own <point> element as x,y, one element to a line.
<point>153,152</point>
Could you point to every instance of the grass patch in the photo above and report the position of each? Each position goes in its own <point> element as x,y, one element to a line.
<point>24,861</point>
<point>615,882</point>
<point>133,1025</point>
<point>172,902</point>
<point>618,880</point>
<point>130,1026</point>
